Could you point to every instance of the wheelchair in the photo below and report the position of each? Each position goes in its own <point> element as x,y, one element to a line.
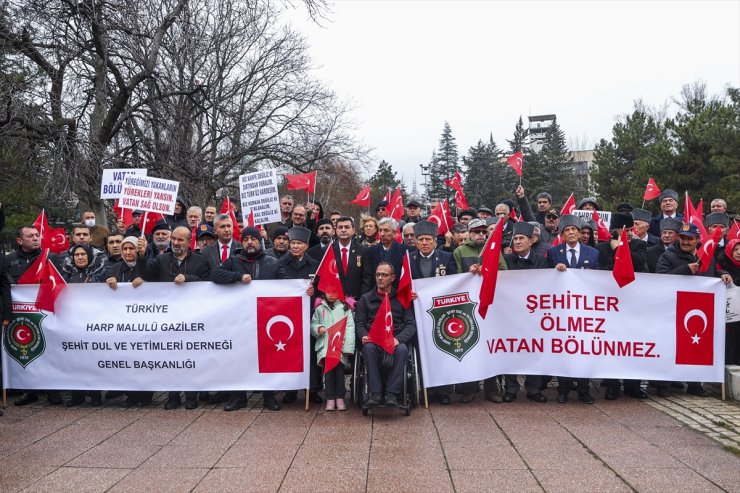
<point>412,385</point>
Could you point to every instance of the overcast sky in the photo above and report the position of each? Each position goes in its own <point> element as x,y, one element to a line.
<point>409,66</point>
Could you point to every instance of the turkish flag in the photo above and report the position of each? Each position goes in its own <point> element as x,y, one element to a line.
<point>395,206</point>
<point>489,269</point>
<point>124,215</point>
<point>148,221</point>
<point>280,334</point>
<point>36,271</point>
<point>55,239</point>
<point>381,332</point>
<point>443,217</point>
<point>404,282</point>
<point>624,271</point>
<point>194,239</point>
<point>455,183</point>
<point>603,233</point>
<point>335,340</point>
<point>328,275</point>
<point>227,208</point>
<point>52,284</point>
<point>387,197</point>
<point>734,232</point>
<point>700,209</point>
<point>651,190</point>
<point>692,215</point>
<point>516,161</point>
<point>706,252</point>
<point>363,198</point>
<point>570,206</point>
<point>303,181</point>
<point>461,202</point>
<point>694,328</point>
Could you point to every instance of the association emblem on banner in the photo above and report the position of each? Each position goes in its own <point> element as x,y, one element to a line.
<point>455,330</point>
<point>24,340</point>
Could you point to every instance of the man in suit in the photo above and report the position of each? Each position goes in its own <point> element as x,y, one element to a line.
<point>668,234</point>
<point>571,254</point>
<point>352,261</point>
<point>387,249</point>
<point>638,252</point>
<point>641,218</point>
<point>668,208</point>
<point>225,246</point>
<point>324,229</point>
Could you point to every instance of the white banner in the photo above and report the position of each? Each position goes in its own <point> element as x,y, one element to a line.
<point>733,303</point>
<point>258,192</point>
<point>149,194</point>
<point>577,323</point>
<point>586,215</point>
<point>112,183</point>
<point>198,336</point>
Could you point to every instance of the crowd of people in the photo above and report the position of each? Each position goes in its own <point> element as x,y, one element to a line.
<point>369,253</point>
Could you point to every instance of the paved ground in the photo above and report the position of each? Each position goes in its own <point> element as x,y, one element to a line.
<point>624,445</point>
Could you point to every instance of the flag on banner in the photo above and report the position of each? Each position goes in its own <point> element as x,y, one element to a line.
<point>227,208</point>
<point>624,271</point>
<point>461,202</point>
<point>395,206</point>
<point>280,334</point>
<point>125,215</point>
<point>52,284</point>
<point>489,268</point>
<point>55,239</point>
<point>363,198</point>
<point>603,233</point>
<point>569,207</point>
<point>328,274</point>
<point>455,183</point>
<point>381,332</point>
<point>148,220</point>
<point>516,161</point>
<point>303,181</point>
<point>335,341</point>
<point>403,295</point>
<point>442,216</point>
<point>651,190</point>
<point>708,247</point>
<point>694,328</point>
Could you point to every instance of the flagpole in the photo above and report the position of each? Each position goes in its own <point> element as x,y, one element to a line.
<point>307,393</point>
<point>143,226</point>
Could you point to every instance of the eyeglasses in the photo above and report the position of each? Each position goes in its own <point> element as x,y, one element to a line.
<point>382,275</point>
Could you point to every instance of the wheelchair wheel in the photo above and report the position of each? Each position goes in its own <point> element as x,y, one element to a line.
<point>357,380</point>
<point>416,387</point>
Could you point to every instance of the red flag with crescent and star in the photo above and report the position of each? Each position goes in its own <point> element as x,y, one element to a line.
<point>692,215</point>
<point>461,202</point>
<point>194,239</point>
<point>569,207</point>
<point>363,198</point>
<point>651,190</point>
<point>442,217</point>
<point>381,332</point>
<point>227,208</point>
<point>603,233</point>
<point>328,274</point>
<point>516,161</point>
<point>707,249</point>
<point>623,271</point>
<point>148,220</point>
<point>335,341</point>
<point>303,181</point>
<point>123,214</point>
<point>55,239</point>
<point>280,334</point>
<point>455,183</point>
<point>694,328</point>
<point>395,206</point>
<point>489,268</point>
<point>52,284</point>
<point>35,272</point>
<point>403,295</point>
<point>734,232</point>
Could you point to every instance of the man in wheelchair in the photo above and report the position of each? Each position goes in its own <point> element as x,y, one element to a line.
<point>375,357</point>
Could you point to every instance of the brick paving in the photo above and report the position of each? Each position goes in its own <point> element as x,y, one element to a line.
<point>675,444</point>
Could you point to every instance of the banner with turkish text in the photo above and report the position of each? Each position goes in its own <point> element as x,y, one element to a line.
<point>576,323</point>
<point>199,336</point>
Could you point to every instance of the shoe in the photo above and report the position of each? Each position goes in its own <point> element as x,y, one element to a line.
<point>96,399</point>
<point>75,400</point>
<point>374,399</point>
<point>537,397</point>
<point>204,397</point>
<point>391,399</point>
<point>26,399</point>
<point>509,397</point>
<point>586,398</point>
<point>611,394</point>
<point>493,397</point>
<point>315,398</point>
<point>191,402</point>
<point>664,392</point>
<point>112,394</point>
<point>331,405</point>
<point>637,394</point>
<point>562,397</point>
<point>698,391</point>
<point>218,397</point>
<point>173,402</point>
<point>341,406</point>
<point>130,402</point>
<point>269,402</point>
<point>289,397</point>
<point>54,398</point>
<point>468,398</point>
<point>444,399</point>
<point>146,400</point>
<point>236,402</point>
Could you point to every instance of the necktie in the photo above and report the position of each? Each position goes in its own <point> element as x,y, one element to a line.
<point>224,253</point>
<point>573,261</point>
<point>344,259</point>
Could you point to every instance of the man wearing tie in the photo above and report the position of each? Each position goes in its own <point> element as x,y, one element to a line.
<point>225,246</point>
<point>354,268</point>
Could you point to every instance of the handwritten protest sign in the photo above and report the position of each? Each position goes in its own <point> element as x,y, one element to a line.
<point>149,194</point>
<point>258,192</point>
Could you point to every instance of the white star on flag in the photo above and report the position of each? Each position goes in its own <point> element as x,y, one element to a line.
<point>280,346</point>
<point>695,339</point>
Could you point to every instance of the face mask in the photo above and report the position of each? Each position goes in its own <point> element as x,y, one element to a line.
<point>90,222</point>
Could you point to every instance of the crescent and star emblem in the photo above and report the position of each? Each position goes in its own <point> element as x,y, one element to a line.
<point>280,345</point>
<point>455,328</point>
<point>23,335</point>
<point>519,162</point>
<point>53,282</point>
<point>366,196</point>
<point>388,325</point>
<point>336,336</point>
<point>650,187</point>
<point>702,316</point>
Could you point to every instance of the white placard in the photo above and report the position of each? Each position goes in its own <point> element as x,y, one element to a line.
<point>149,194</point>
<point>586,215</point>
<point>112,183</point>
<point>259,193</point>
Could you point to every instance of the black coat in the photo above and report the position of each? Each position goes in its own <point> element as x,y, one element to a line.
<point>653,254</point>
<point>291,268</point>
<point>123,272</point>
<point>443,264</point>
<point>534,261</point>
<point>638,251</point>
<point>18,261</point>
<point>358,279</point>
<point>394,256</point>
<point>676,261</point>
<point>404,324</point>
<point>261,267</point>
<point>164,268</point>
<point>212,254</point>
<point>6,307</point>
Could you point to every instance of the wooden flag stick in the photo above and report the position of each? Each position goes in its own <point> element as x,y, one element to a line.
<point>307,394</point>
<point>426,399</point>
